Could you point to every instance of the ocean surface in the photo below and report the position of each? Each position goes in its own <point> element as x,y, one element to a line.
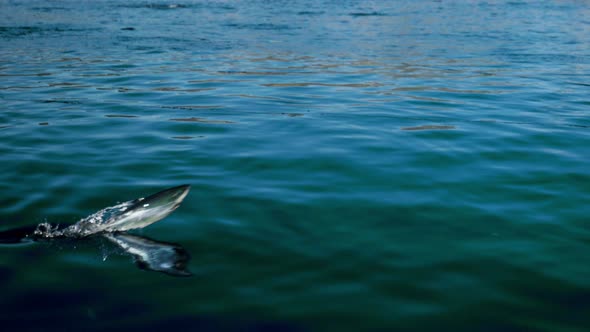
<point>355,165</point>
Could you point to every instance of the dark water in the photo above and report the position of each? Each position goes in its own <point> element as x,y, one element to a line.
<point>355,165</point>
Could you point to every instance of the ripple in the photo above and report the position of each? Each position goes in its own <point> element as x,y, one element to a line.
<point>42,30</point>
<point>62,101</point>
<point>158,6</point>
<point>194,107</point>
<point>429,127</point>
<point>120,116</point>
<point>306,84</point>
<point>363,14</point>
<point>68,84</point>
<point>181,89</point>
<point>260,26</point>
<point>18,31</point>
<point>50,9</point>
<point>310,13</point>
<point>253,73</point>
<point>202,120</point>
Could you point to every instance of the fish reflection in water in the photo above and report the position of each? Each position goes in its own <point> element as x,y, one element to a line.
<point>112,223</point>
<point>152,255</point>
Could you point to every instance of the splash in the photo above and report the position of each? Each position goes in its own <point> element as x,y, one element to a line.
<point>95,222</point>
<point>47,230</point>
<point>86,226</point>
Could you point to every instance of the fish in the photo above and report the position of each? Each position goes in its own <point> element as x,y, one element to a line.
<point>122,217</point>
<point>113,223</point>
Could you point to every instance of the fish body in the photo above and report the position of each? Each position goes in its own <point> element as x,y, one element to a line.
<point>122,217</point>
<point>146,211</point>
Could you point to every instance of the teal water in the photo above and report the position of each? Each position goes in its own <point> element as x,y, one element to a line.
<point>355,165</point>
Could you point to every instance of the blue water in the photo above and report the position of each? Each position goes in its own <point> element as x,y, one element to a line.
<point>355,165</point>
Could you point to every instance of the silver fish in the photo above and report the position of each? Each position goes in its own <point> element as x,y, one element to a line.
<point>126,216</point>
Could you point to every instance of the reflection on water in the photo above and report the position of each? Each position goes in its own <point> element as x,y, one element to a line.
<point>153,255</point>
